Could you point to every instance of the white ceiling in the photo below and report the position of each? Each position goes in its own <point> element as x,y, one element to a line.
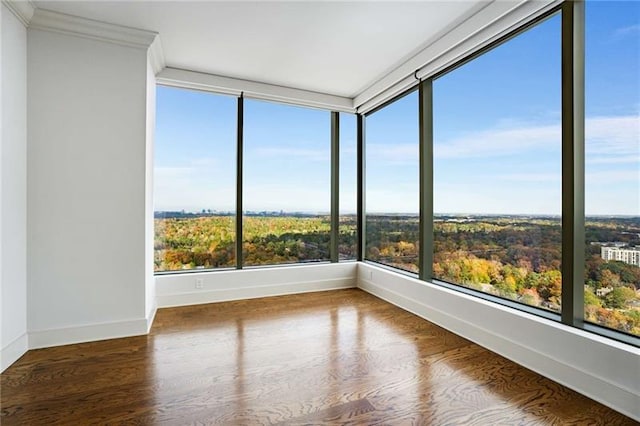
<point>337,48</point>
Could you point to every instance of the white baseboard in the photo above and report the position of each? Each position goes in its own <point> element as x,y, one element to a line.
<point>86,333</point>
<point>151,316</point>
<point>253,292</point>
<point>13,351</point>
<point>221,286</point>
<point>603,370</point>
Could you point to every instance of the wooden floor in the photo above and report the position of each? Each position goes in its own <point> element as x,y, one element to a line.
<point>341,357</point>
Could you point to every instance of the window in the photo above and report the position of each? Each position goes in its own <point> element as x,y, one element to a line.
<point>287,176</point>
<point>194,180</point>
<point>392,179</point>
<point>348,237</point>
<point>497,170</point>
<point>612,165</point>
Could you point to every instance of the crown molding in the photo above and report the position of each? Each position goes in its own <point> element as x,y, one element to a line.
<point>22,9</point>
<point>48,20</point>
<point>252,89</point>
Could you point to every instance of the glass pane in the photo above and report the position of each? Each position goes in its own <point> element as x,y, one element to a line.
<point>497,170</point>
<point>612,188</point>
<point>392,179</point>
<point>348,242</point>
<point>287,176</point>
<point>194,180</point>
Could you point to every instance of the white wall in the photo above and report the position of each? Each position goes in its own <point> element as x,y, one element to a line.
<point>87,144</point>
<point>13,189</point>
<point>599,368</point>
<point>218,286</point>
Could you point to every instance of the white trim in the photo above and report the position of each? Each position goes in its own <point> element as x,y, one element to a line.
<point>88,28</point>
<point>254,292</point>
<point>605,370</point>
<point>156,55</point>
<point>482,28</point>
<point>23,10</point>
<point>13,351</point>
<point>86,333</point>
<point>252,89</point>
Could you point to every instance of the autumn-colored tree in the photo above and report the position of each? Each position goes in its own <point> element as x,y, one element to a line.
<point>619,297</point>
<point>609,279</point>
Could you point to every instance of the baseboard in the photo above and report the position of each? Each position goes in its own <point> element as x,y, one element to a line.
<point>151,316</point>
<point>251,292</point>
<point>13,351</point>
<point>87,333</point>
<point>614,392</point>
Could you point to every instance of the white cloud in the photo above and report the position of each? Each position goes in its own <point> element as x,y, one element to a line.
<point>614,160</point>
<point>609,140</point>
<point>166,173</point>
<point>613,135</point>
<point>394,154</point>
<point>289,197</point>
<point>627,31</point>
<point>612,176</point>
<point>530,177</point>
<point>499,142</point>
<point>295,154</point>
<point>205,162</point>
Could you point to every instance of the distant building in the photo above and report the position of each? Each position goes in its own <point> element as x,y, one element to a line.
<point>601,292</point>
<point>629,255</point>
<point>609,243</point>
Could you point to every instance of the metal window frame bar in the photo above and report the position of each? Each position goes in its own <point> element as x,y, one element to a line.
<point>361,186</point>
<point>335,186</point>
<point>425,236</point>
<point>393,100</point>
<point>573,233</point>
<point>239,182</point>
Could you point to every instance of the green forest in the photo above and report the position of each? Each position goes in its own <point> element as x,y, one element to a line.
<point>512,257</point>
<point>208,241</point>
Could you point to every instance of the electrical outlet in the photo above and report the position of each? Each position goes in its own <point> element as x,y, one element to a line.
<point>199,282</point>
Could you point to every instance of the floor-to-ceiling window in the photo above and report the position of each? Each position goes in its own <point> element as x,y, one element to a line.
<point>286,184</point>
<point>194,178</point>
<point>612,164</point>
<point>392,184</point>
<point>497,170</point>
<point>497,176</point>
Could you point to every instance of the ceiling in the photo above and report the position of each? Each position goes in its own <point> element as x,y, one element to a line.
<point>337,48</point>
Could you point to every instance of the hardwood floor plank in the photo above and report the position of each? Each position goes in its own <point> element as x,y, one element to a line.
<point>338,357</point>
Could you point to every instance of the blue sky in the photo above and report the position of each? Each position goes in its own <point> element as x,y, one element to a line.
<point>496,136</point>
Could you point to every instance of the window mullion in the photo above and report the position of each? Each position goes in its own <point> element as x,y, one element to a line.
<point>335,185</point>
<point>573,234</point>
<point>239,162</point>
<point>361,186</point>
<point>425,111</point>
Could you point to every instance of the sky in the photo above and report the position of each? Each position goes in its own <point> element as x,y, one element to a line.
<point>496,137</point>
